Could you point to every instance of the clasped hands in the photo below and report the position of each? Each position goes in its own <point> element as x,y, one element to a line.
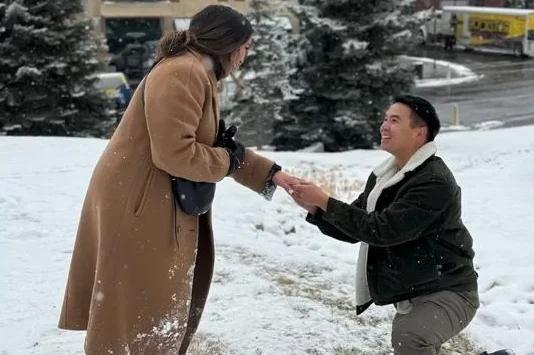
<point>306,194</point>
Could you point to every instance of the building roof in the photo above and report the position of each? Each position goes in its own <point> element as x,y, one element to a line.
<point>489,10</point>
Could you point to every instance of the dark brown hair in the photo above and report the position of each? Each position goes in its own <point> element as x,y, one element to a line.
<point>216,30</point>
<point>423,113</point>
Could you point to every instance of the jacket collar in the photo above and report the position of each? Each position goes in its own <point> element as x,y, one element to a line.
<point>206,62</point>
<point>418,158</point>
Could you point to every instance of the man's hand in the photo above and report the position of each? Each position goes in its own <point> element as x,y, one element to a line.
<point>310,208</point>
<point>308,194</point>
<point>303,193</point>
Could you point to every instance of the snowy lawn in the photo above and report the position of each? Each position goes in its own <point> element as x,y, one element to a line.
<point>280,287</point>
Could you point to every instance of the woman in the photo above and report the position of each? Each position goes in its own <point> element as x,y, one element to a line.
<point>141,267</point>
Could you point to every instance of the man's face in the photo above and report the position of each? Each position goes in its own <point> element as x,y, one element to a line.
<point>399,135</point>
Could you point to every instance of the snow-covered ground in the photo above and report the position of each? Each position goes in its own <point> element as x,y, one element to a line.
<point>280,286</point>
<point>442,73</point>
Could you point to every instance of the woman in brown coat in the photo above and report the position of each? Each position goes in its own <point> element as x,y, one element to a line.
<point>142,267</point>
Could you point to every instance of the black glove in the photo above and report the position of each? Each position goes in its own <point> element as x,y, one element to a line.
<point>222,129</point>
<point>228,136</point>
<point>237,155</point>
<point>225,136</point>
<point>236,150</point>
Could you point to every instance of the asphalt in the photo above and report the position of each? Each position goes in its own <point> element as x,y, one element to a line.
<point>504,96</point>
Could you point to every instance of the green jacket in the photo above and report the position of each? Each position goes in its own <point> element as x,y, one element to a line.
<point>418,243</point>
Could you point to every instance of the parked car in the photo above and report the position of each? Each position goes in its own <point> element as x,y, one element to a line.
<point>136,58</point>
<point>116,87</point>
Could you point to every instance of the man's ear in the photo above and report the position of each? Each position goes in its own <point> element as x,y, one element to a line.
<point>423,132</point>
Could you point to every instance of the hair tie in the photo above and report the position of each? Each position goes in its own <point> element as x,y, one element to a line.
<point>192,38</point>
<point>187,38</point>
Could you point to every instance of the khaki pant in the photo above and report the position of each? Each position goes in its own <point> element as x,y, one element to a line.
<point>433,320</point>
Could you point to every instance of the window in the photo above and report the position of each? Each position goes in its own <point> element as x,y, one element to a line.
<point>120,32</point>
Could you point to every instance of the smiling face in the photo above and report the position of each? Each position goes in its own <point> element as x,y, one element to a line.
<point>400,134</point>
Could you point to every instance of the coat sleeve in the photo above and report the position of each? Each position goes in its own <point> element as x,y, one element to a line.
<point>406,219</point>
<point>328,229</point>
<point>254,172</point>
<point>174,101</point>
<point>331,230</point>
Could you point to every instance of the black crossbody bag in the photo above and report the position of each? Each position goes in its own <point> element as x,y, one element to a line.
<point>193,197</point>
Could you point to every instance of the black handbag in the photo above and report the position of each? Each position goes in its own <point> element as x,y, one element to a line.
<point>193,197</point>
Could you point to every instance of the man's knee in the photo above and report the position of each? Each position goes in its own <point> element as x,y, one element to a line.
<point>434,319</point>
<point>422,331</point>
<point>413,341</point>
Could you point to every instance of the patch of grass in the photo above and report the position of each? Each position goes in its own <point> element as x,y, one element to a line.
<point>222,277</point>
<point>284,280</point>
<point>333,180</point>
<point>204,344</point>
<point>294,285</point>
<point>356,351</point>
<point>308,281</point>
<point>310,286</point>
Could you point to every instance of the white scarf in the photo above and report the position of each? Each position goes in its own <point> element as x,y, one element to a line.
<point>387,174</point>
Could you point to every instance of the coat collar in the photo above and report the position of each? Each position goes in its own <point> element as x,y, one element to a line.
<point>418,158</point>
<point>207,63</point>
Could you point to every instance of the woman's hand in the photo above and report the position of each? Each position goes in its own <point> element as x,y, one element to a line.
<point>284,180</point>
<point>307,194</point>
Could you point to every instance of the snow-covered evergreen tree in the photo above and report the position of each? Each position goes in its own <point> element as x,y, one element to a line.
<point>48,56</point>
<point>262,84</point>
<point>347,72</point>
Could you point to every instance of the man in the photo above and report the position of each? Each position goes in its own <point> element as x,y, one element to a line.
<point>415,251</point>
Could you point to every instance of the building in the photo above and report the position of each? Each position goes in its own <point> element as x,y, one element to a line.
<point>133,28</point>
<point>127,21</point>
<point>438,4</point>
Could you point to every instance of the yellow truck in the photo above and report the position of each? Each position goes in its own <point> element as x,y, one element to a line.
<point>492,28</point>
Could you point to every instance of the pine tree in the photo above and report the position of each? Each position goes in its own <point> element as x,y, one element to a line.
<point>262,84</point>
<point>48,57</point>
<point>347,72</point>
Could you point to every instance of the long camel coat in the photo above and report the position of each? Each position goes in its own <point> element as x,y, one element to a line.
<point>141,268</point>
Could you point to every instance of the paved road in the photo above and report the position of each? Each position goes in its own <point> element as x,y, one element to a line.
<point>505,93</point>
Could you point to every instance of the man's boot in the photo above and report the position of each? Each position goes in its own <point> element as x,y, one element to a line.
<point>499,352</point>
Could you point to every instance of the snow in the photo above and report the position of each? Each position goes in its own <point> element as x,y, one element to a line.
<point>333,24</point>
<point>352,44</point>
<point>280,287</point>
<point>462,73</point>
<point>488,10</point>
<point>15,10</point>
<point>24,71</point>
